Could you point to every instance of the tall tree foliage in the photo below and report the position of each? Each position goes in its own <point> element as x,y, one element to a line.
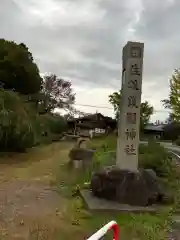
<point>115,99</point>
<point>18,72</point>
<point>145,113</point>
<point>56,93</point>
<point>173,100</point>
<point>146,109</point>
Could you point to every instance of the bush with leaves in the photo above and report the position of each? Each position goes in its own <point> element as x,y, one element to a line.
<point>156,157</point>
<point>16,130</point>
<point>55,123</point>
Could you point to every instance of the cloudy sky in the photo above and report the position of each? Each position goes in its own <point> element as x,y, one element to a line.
<point>82,40</point>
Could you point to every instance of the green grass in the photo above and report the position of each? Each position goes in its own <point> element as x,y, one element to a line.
<point>107,142</point>
<point>142,226</point>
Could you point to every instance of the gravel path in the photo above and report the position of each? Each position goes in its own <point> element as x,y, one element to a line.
<point>21,204</point>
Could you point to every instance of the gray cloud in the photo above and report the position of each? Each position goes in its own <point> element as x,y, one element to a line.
<point>158,28</point>
<point>83,40</point>
<point>90,49</point>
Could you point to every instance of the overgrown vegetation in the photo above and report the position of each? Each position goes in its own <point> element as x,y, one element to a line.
<point>16,129</point>
<point>21,127</point>
<point>154,156</point>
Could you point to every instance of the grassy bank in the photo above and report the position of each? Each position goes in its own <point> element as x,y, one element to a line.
<point>133,226</point>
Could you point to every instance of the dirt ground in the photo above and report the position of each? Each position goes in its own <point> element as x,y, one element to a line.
<point>29,206</point>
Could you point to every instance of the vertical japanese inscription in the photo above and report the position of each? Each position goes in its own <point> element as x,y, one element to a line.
<point>132,102</point>
<point>130,134</point>
<point>133,84</point>
<point>131,117</point>
<point>130,149</point>
<point>135,69</point>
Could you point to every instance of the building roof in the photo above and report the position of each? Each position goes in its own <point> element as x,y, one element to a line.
<point>96,120</point>
<point>87,117</point>
<point>95,116</point>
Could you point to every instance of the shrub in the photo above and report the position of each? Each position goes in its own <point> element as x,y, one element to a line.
<point>156,157</point>
<point>48,128</point>
<point>16,130</point>
<point>55,123</point>
<point>39,128</point>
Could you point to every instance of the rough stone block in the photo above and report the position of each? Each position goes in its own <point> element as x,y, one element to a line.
<point>81,157</point>
<point>135,188</point>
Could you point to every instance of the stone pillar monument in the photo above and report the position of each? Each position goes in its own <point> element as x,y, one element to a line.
<point>129,123</point>
<point>125,183</point>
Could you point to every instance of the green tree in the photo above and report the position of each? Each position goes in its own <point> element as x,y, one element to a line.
<point>173,100</point>
<point>146,109</point>
<point>146,112</point>
<point>114,99</point>
<point>56,93</point>
<point>18,72</point>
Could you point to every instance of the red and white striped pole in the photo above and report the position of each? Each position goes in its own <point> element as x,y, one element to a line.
<point>105,229</point>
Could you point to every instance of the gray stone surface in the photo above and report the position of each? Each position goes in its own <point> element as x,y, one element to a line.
<point>131,88</point>
<point>81,154</point>
<point>81,158</point>
<point>96,204</point>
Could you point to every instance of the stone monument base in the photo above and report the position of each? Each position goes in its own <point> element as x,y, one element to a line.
<point>102,205</point>
<point>133,188</point>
